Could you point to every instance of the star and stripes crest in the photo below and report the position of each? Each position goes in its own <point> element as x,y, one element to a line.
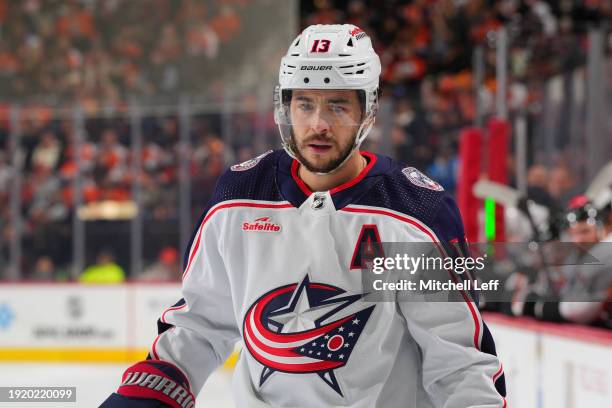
<point>305,328</point>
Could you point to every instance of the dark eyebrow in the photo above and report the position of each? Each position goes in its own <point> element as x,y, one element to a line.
<point>303,98</point>
<point>342,101</point>
<point>336,100</point>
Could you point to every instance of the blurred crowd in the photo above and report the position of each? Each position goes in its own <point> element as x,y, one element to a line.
<point>427,50</point>
<point>103,54</point>
<point>106,157</point>
<point>567,277</point>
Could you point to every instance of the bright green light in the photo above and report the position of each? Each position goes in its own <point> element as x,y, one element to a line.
<point>490,219</point>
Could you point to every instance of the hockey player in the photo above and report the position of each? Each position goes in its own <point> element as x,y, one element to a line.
<point>274,262</point>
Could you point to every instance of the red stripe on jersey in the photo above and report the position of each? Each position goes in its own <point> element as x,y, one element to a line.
<point>399,217</point>
<point>282,350</point>
<point>297,368</point>
<point>298,180</point>
<point>372,161</point>
<point>277,351</point>
<point>288,367</point>
<point>498,373</point>
<point>306,190</point>
<point>153,347</point>
<point>170,309</point>
<point>495,378</point>
<point>195,247</point>
<point>288,338</point>
<point>436,241</point>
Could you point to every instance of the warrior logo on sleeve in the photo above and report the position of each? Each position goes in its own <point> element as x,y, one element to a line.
<point>304,328</point>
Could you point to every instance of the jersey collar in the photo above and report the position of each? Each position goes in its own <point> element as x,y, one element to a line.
<point>296,191</point>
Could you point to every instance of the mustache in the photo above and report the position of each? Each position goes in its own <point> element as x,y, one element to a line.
<point>319,138</point>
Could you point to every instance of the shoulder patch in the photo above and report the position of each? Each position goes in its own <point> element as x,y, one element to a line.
<point>416,177</point>
<point>249,164</point>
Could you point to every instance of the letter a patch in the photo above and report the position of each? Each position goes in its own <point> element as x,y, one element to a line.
<point>367,248</point>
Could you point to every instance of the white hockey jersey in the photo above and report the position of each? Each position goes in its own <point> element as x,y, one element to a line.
<point>274,265</point>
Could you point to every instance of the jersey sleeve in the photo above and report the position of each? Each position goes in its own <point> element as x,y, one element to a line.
<point>196,334</point>
<point>199,332</point>
<point>459,365</point>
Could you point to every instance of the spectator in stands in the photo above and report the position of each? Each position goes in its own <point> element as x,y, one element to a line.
<point>104,53</point>
<point>200,38</point>
<point>581,218</point>
<point>5,173</point>
<point>578,292</point>
<point>586,291</point>
<point>604,208</point>
<point>445,167</point>
<point>166,269</point>
<point>562,184</point>
<point>40,188</point>
<point>538,176</point>
<point>47,151</point>
<point>166,59</point>
<point>112,157</point>
<point>44,270</point>
<point>105,270</point>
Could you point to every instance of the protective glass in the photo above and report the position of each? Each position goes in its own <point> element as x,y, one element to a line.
<point>315,108</point>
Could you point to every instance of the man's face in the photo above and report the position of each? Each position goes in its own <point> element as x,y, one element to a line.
<point>325,123</point>
<point>583,233</point>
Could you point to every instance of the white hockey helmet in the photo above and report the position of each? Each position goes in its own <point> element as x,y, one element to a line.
<point>329,57</point>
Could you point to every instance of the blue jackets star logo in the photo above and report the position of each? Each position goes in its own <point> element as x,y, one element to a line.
<point>305,328</point>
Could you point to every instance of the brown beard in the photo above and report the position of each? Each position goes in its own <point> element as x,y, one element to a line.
<point>321,169</point>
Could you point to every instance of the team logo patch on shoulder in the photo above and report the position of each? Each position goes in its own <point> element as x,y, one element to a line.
<point>421,180</point>
<point>249,164</point>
